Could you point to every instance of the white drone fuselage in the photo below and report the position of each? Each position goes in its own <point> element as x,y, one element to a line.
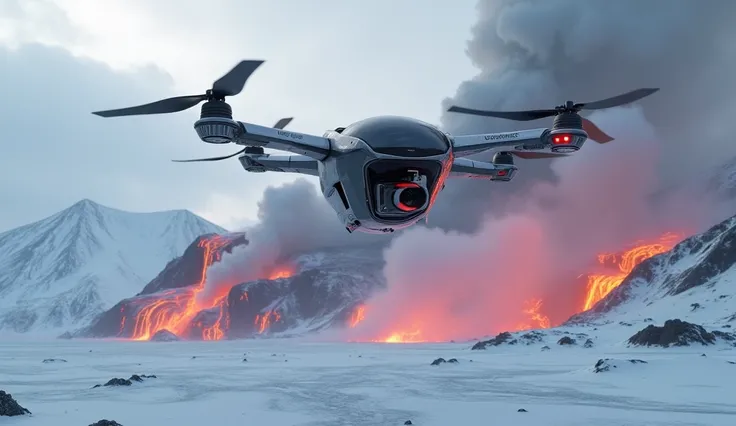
<point>384,174</point>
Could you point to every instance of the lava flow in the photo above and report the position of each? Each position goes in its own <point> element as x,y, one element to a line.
<point>173,310</point>
<point>599,285</point>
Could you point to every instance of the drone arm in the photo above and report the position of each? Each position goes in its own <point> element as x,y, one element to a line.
<point>259,163</point>
<point>465,168</point>
<point>314,147</point>
<point>466,145</point>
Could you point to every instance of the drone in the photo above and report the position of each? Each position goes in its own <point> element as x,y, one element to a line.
<point>382,174</point>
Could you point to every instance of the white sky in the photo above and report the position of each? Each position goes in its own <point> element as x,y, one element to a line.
<point>329,63</point>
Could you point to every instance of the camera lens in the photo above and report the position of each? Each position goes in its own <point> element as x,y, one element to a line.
<point>410,199</point>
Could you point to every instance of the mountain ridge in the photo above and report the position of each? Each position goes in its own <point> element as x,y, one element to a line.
<point>68,267</point>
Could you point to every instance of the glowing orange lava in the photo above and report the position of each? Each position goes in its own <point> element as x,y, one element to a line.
<point>599,285</point>
<point>173,310</point>
<point>357,316</point>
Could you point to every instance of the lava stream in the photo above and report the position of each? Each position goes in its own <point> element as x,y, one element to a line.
<point>599,285</point>
<point>173,310</point>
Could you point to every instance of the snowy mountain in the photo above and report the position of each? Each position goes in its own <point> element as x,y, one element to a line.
<point>64,270</point>
<point>695,281</point>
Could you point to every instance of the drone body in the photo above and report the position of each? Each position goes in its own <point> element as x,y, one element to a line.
<point>382,174</point>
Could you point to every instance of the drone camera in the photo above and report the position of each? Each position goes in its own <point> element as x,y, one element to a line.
<point>566,140</point>
<point>217,130</point>
<point>402,197</point>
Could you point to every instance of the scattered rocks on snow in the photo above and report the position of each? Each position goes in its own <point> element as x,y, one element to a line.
<point>566,340</point>
<point>10,407</point>
<point>676,332</point>
<point>528,338</point>
<point>545,348</point>
<point>500,339</point>
<point>126,382</point>
<point>731,362</point>
<point>105,422</point>
<point>694,306</point>
<point>588,343</point>
<point>439,361</point>
<point>50,360</point>
<point>626,324</point>
<point>408,422</point>
<point>521,410</point>
<point>607,364</point>
<point>164,336</point>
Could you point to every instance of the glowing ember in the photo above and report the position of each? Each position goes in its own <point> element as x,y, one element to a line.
<point>357,316</point>
<point>173,310</point>
<point>280,273</point>
<point>599,285</point>
<point>538,320</point>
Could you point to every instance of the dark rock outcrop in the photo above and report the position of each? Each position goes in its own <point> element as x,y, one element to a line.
<point>164,336</point>
<point>674,332</point>
<point>52,360</point>
<point>116,381</point>
<point>607,364</point>
<point>528,338</point>
<point>566,340</point>
<point>10,407</point>
<point>105,422</point>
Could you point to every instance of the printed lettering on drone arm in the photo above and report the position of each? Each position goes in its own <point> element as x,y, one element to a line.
<point>316,147</point>
<point>472,144</point>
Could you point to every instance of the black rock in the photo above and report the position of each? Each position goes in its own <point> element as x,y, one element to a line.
<point>50,360</point>
<point>408,422</point>
<point>694,306</point>
<point>164,336</point>
<point>501,338</point>
<point>588,344</point>
<point>126,382</point>
<point>731,362</point>
<point>545,348</point>
<point>566,340</point>
<point>438,361</point>
<point>452,360</point>
<point>607,363</point>
<point>105,422</point>
<point>10,407</point>
<point>521,410</point>
<point>674,332</point>
<point>245,359</point>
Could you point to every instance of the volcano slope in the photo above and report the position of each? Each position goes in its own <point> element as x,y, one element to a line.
<point>306,293</point>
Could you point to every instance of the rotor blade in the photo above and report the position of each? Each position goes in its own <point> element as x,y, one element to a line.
<point>179,103</point>
<point>619,100</point>
<point>537,155</point>
<point>594,132</point>
<point>530,115</point>
<point>233,82</point>
<point>224,157</point>
<point>283,123</point>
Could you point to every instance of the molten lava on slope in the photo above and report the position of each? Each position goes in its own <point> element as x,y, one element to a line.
<point>184,311</point>
<point>425,323</point>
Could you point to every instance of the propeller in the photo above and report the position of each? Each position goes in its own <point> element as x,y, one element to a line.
<point>569,106</point>
<point>279,125</point>
<point>230,84</point>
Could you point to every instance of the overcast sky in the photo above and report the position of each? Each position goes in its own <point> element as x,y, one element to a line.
<point>329,63</point>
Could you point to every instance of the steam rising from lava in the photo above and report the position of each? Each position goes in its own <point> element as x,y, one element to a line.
<point>293,219</point>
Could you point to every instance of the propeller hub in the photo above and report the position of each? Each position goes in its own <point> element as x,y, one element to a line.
<point>217,130</point>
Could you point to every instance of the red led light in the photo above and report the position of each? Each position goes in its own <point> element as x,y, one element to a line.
<point>561,139</point>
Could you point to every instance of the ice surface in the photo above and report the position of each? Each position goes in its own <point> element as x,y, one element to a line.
<point>296,382</point>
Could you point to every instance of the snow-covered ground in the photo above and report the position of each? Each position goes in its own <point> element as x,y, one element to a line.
<point>293,382</point>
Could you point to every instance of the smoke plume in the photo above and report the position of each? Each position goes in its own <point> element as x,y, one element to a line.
<point>292,219</point>
<point>497,248</point>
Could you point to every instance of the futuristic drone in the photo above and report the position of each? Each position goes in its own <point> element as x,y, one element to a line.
<point>384,173</point>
